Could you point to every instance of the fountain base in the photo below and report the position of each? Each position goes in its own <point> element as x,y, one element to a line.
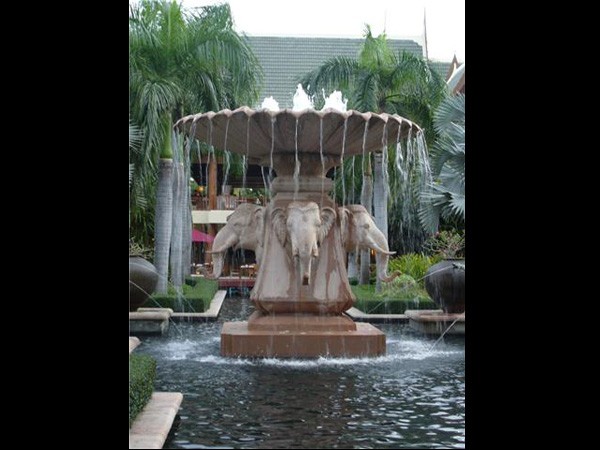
<point>300,336</point>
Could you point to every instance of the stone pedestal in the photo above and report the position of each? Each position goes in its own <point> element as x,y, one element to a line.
<point>300,336</point>
<point>278,288</point>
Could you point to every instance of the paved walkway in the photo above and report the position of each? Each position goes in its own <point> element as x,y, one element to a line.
<point>133,343</point>
<point>151,427</point>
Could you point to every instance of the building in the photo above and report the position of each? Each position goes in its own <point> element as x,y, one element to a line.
<point>286,59</point>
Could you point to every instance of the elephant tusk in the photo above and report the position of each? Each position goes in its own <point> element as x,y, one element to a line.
<point>378,249</point>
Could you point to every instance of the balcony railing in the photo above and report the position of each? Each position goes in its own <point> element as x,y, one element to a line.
<point>224,202</point>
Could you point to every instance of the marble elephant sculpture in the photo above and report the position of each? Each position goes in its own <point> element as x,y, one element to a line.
<point>360,232</point>
<point>244,229</point>
<point>300,228</point>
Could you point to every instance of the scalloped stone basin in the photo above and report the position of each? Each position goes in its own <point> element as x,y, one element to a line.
<point>254,132</point>
<point>307,143</point>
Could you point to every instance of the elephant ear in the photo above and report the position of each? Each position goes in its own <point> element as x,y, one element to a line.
<point>278,220</point>
<point>328,217</point>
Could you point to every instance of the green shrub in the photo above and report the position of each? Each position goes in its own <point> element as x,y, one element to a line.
<point>414,265</point>
<point>141,250</point>
<point>446,244</point>
<point>395,299</point>
<point>142,372</point>
<point>194,298</point>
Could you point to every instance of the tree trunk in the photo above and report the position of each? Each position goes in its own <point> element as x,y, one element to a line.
<point>187,215</point>
<point>380,201</point>
<point>212,182</point>
<point>366,199</point>
<point>187,231</point>
<point>352,265</point>
<point>177,234</point>
<point>163,221</point>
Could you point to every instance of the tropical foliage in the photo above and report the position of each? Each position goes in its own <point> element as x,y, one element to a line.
<point>134,143</point>
<point>397,83</point>
<point>444,198</point>
<point>382,81</point>
<point>180,62</point>
<point>446,244</point>
<point>414,265</point>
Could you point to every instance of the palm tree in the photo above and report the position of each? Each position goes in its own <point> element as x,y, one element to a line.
<point>181,62</point>
<point>445,197</point>
<point>381,81</point>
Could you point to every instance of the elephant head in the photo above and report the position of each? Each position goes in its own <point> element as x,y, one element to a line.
<point>300,229</point>
<point>244,229</point>
<point>359,231</point>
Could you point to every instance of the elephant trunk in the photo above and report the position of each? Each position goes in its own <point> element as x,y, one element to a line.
<point>382,261</point>
<point>217,268</point>
<point>305,266</point>
<point>378,242</point>
<point>224,239</point>
<point>303,261</point>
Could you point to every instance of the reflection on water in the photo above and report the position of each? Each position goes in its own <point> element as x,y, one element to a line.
<point>410,398</point>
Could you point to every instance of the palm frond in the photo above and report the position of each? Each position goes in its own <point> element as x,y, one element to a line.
<point>375,53</point>
<point>135,137</point>
<point>180,62</point>
<point>130,174</point>
<point>451,111</point>
<point>335,73</point>
<point>366,93</point>
<point>445,199</point>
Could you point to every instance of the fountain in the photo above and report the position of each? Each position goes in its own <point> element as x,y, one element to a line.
<point>301,289</point>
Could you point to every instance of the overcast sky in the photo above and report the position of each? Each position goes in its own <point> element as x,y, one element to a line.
<point>346,18</point>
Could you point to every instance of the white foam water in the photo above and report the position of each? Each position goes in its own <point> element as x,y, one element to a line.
<point>270,103</point>
<point>334,101</point>
<point>302,101</point>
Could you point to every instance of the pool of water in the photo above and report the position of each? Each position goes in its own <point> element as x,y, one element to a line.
<point>414,397</point>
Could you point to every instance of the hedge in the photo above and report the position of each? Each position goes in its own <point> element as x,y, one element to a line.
<point>369,302</point>
<point>142,371</point>
<point>196,297</point>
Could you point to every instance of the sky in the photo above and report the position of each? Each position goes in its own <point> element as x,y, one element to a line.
<point>401,19</point>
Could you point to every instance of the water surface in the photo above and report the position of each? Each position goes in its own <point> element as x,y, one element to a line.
<point>410,398</point>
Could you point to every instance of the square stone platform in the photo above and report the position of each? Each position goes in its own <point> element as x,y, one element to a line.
<point>150,321</point>
<point>300,336</point>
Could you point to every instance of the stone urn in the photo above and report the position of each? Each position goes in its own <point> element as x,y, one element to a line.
<point>142,281</point>
<point>445,284</point>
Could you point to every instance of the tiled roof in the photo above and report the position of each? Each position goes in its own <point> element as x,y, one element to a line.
<point>285,59</point>
<point>441,67</point>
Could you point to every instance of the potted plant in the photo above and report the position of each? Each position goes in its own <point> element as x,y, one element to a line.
<point>445,281</point>
<point>143,276</point>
